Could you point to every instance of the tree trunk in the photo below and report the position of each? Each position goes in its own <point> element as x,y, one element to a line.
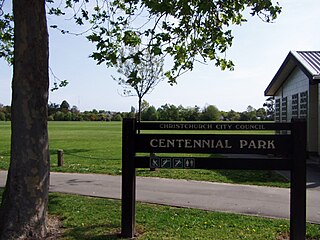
<point>24,206</point>
<point>139,108</point>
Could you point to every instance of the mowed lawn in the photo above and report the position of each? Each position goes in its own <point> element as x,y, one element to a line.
<point>88,146</point>
<point>95,147</point>
<point>100,219</point>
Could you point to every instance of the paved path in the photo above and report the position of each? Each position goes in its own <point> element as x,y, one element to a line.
<point>253,200</point>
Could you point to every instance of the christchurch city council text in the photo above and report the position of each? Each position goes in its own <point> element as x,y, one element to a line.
<point>212,126</point>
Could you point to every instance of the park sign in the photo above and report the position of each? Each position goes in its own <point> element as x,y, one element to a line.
<point>215,145</point>
<point>209,143</point>
<point>213,142</point>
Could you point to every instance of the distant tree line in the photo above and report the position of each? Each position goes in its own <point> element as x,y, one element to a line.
<point>5,113</point>
<point>167,112</point>
<point>170,112</point>
<point>64,112</point>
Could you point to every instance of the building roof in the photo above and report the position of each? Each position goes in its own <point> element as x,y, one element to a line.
<point>307,61</point>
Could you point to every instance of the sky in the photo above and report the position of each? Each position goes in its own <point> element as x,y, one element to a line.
<point>258,51</point>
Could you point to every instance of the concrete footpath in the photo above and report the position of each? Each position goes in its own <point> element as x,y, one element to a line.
<point>244,199</point>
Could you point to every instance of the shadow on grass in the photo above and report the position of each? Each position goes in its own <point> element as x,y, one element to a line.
<point>69,151</point>
<point>79,154</point>
<point>253,176</point>
<point>60,204</point>
<point>146,170</point>
<point>5,154</point>
<point>87,233</point>
<point>260,177</point>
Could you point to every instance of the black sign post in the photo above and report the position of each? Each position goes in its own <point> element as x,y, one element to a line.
<point>298,182</point>
<point>288,150</point>
<point>128,207</point>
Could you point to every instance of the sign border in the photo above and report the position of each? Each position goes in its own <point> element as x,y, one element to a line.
<point>294,161</point>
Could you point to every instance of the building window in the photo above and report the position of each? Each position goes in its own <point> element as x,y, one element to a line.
<point>295,105</point>
<point>304,104</point>
<point>284,109</point>
<point>277,110</point>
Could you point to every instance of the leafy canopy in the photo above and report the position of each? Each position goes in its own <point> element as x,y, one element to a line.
<point>184,30</point>
<point>7,43</point>
<point>6,36</point>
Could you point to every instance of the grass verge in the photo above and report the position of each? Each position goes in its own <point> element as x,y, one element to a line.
<point>96,218</point>
<point>95,147</point>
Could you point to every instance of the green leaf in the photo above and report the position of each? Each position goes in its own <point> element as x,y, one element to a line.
<point>156,50</point>
<point>131,38</point>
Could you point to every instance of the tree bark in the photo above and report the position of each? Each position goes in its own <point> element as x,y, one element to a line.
<point>139,109</point>
<point>23,211</point>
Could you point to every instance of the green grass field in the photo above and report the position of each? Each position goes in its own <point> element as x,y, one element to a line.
<point>95,147</point>
<point>100,219</point>
<point>96,218</point>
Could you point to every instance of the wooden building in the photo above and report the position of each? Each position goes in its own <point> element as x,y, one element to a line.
<point>295,88</point>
